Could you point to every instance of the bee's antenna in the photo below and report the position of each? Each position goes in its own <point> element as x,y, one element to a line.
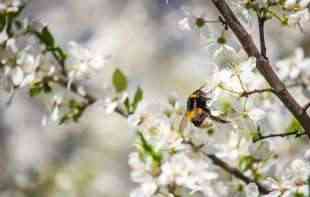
<point>202,86</point>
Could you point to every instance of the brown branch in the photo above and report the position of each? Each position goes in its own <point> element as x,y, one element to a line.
<point>262,64</point>
<point>306,107</point>
<point>261,23</point>
<point>256,91</point>
<point>294,133</point>
<point>236,173</point>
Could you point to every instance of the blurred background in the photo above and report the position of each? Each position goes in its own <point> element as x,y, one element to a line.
<point>144,40</point>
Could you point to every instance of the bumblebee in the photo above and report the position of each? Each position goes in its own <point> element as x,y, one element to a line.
<point>197,110</point>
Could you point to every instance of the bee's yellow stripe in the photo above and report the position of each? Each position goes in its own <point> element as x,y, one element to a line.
<point>195,112</point>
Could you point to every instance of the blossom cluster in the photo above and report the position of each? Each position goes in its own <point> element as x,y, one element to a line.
<point>288,12</point>
<point>293,13</point>
<point>173,162</point>
<point>166,159</point>
<point>170,160</point>
<point>30,58</point>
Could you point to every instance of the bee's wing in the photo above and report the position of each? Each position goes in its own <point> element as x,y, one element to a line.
<point>183,123</point>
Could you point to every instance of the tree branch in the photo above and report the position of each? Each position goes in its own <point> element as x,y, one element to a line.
<point>295,133</point>
<point>263,65</point>
<point>237,173</point>
<point>257,91</point>
<point>306,107</point>
<point>261,23</point>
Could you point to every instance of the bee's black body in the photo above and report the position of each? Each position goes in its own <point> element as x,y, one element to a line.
<point>197,104</point>
<point>197,99</point>
<point>197,110</point>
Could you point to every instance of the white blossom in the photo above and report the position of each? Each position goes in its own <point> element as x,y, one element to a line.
<point>83,62</point>
<point>256,114</point>
<point>55,111</point>
<point>260,151</point>
<point>224,55</point>
<point>3,36</point>
<point>184,24</point>
<point>109,104</point>
<point>10,5</point>
<point>299,4</point>
<point>252,190</point>
<point>299,18</point>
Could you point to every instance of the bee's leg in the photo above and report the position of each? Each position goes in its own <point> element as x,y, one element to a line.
<point>218,119</point>
<point>214,118</point>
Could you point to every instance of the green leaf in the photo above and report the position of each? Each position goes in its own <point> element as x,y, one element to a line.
<point>73,104</point>
<point>59,54</point>
<point>226,107</point>
<point>127,105</point>
<point>149,149</point>
<point>246,162</point>
<point>47,37</point>
<point>145,145</point>
<point>299,194</point>
<point>2,21</point>
<point>137,99</point>
<point>119,81</point>
<point>77,114</point>
<point>35,89</point>
<point>294,126</point>
<point>256,135</point>
<point>76,110</point>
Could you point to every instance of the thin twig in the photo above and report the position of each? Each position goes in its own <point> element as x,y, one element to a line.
<point>223,22</point>
<point>229,169</point>
<point>294,133</point>
<point>263,64</point>
<point>236,173</point>
<point>257,91</point>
